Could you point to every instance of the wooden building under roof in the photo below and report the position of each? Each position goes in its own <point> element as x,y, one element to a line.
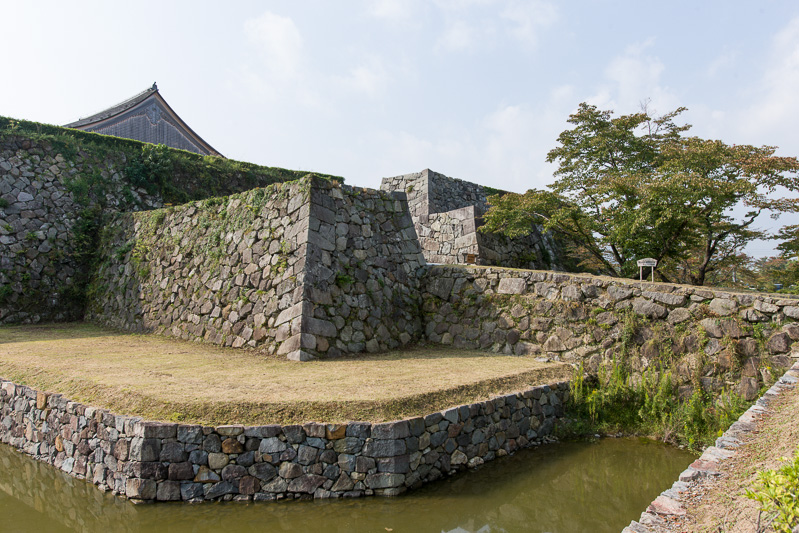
<point>146,117</point>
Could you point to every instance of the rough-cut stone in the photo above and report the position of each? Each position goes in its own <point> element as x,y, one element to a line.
<point>723,306</point>
<point>511,286</point>
<point>307,483</point>
<point>648,308</point>
<point>779,343</point>
<point>140,489</point>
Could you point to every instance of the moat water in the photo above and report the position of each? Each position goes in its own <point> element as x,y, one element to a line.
<point>567,487</point>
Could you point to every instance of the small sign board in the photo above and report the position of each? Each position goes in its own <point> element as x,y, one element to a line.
<point>471,259</point>
<point>646,262</point>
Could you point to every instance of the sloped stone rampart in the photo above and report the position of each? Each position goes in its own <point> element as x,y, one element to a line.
<point>57,186</point>
<point>300,269</point>
<point>38,216</point>
<point>713,337</point>
<point>176,462</point>
<point>227,270</point>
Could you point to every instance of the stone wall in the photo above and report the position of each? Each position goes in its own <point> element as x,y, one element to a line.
<point>41,196</point>
<point>228,270</point>
<point>447,213</point>
<point>57,186</point>
<point>363,272</point>
<point>302,269</point>
<point>710,337</point>
<point>176,462</point>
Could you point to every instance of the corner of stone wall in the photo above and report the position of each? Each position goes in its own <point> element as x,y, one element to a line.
<point>361,286</point>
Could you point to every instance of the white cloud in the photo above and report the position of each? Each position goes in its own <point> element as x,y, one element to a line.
<point>723,62</point>
<point>632,78</point>
<point>473,23</point>
<point>458,35</point>
<point>370,79</point>
<point>279,42</point>
<point>529,18</point>
<point>776,107</point>
<point>393,10</point>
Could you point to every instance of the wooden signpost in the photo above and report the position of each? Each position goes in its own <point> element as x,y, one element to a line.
<point>646,262</point>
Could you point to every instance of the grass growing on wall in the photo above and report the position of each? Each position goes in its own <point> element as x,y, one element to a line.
<point>612,403</point>
<point>177,175</point>
<point>111,168</point>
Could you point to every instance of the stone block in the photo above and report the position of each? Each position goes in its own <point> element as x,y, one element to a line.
<point>318,327</point>
<point>648,308</point>
<point>384,480</point>
<point>384,448</point>
<point>779,343</point>
<point>191,491</point>
<point>723,306</point>
<point>263,471</point>
<point>391,430</point>
<point>307,483</point>
<point>399,464</point>
<point>791,311</point>
<point>140,489</point>
<point>218,490</point>
<point>173,452</point>
<point>168,491</point>
<point>190,434</point>
<point>232,445</point>
<point>217,461</point>
<point>155,430</point>
<point>144,450</point>
<point>230,431</point>
<point>181,471</point>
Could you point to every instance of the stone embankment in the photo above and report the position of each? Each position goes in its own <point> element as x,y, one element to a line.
<point>177,462</point>
<point>708,337</point>
<point>672,502</point>
<point>40,219</point>
<point>56,189</point>
<point>302,269</point>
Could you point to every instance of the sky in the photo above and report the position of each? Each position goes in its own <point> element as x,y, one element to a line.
<point>474,89</point>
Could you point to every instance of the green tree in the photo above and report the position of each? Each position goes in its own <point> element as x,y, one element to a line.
<point>634,186</point>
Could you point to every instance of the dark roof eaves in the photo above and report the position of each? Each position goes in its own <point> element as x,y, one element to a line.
<point>115,109</point>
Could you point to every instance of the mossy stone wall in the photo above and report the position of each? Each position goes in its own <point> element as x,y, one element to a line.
<point>710,338</point>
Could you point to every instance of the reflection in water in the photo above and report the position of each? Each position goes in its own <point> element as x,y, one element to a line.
<point>564,487</point>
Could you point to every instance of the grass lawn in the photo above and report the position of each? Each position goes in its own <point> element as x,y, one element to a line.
<point>165,379</point>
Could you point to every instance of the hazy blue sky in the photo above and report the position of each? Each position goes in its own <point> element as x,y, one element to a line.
<point>475,89</point>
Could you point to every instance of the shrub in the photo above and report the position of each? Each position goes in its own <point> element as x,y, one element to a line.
<point>778,492</point>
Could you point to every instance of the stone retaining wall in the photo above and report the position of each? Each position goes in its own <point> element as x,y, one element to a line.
<point>56,189</point>
<point>224,270</point>
<point>300,269</point>
<point>38,216</point>
<point>447,213</point>
<point>363,270</point>
<point>709,336</point>
<point>172,462</point>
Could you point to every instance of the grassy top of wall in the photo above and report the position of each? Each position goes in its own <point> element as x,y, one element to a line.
<point>178,176</point>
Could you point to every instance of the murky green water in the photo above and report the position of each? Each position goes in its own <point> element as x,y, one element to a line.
<point>564,487</point>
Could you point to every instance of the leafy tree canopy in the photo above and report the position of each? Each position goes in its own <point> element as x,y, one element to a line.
<point>636,186</point>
